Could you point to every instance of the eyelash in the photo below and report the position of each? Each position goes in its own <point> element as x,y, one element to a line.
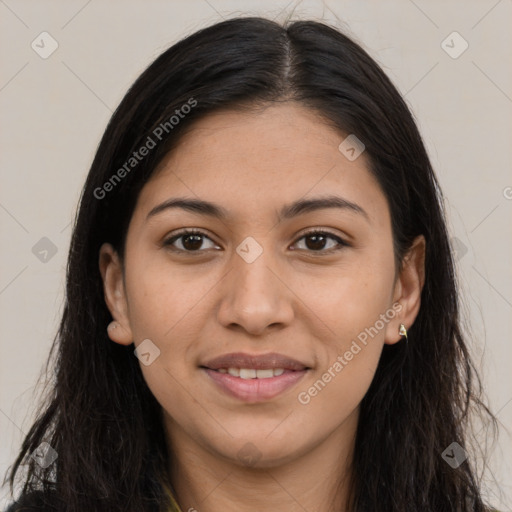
<point>341,243</point>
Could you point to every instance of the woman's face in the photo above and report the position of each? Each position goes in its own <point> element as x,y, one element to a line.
<point>260,340</point>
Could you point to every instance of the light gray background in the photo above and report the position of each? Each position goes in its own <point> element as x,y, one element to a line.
<point>54,111</point>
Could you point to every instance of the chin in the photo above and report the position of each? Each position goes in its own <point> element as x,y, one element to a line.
<point>258,452</point>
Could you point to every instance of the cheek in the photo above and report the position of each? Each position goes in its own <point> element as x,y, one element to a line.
<point>352,305</point>
<point>167,306</point>
<point>352,298</point>
<point>337,390</point>
<point>162,298</point>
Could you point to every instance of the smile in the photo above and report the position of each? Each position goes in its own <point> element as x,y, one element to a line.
<point>252,373</point>
<point>254,389</point>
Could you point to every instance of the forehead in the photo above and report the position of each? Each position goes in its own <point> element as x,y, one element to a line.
<point>260,160</point>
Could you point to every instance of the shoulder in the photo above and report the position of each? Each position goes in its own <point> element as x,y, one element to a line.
<point>32,502</point>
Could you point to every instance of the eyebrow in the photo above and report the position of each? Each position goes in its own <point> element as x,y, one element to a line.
<point>301,206</point>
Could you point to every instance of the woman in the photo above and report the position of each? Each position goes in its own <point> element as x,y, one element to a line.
<point>261,303</point>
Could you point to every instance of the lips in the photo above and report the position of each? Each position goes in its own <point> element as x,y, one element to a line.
<point>256,362</point>
<point>254,378</point>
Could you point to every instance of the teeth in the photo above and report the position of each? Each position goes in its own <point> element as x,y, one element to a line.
<point>247,373</point>
<point>264,374</point>
<point>251,373</point>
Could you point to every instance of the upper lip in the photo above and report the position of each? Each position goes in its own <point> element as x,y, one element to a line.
<point>257,361</point>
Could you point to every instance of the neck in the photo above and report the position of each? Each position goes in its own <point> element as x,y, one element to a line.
<point>316,480</point>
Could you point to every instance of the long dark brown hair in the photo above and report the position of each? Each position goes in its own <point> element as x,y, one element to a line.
<point>100,416</point>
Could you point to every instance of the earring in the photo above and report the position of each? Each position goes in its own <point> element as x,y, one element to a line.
<point>403,331</point>
<point>112,325</point>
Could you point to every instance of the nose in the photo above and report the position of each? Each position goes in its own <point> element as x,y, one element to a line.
<point>255,297</point>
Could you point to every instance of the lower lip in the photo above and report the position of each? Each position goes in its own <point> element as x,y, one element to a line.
<point>255,390</point>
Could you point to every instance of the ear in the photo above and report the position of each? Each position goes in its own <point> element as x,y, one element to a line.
<point>407,292</point>
<point>115,295</point>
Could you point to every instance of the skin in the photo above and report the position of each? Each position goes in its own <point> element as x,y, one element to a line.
<point>304,303</point>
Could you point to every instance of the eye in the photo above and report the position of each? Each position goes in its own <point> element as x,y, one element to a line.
<point>317,241</point>
<point>190,240</point>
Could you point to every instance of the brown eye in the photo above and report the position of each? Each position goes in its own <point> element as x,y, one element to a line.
<point>189,241</point>
<point>321,241</point>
